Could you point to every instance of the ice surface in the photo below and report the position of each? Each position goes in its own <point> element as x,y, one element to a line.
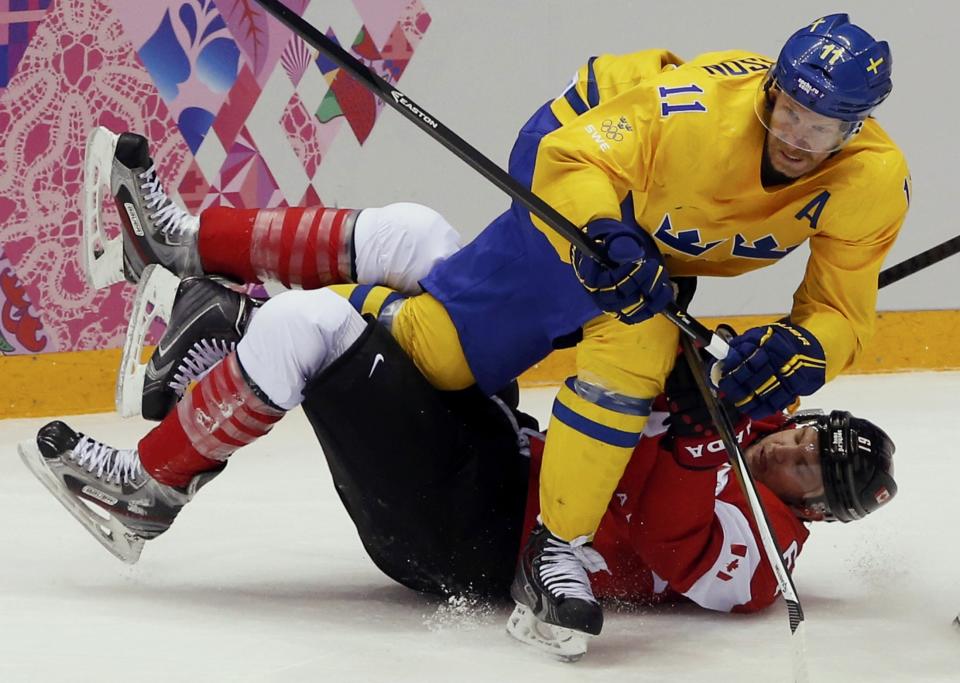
<point>263,579</point>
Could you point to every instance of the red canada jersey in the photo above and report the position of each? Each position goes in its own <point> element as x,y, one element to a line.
<point>679,525</point>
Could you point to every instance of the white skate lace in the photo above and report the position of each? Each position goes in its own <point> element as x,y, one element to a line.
<point>565,565</point>
<point>170,218</point>
<point>105,462</point>
<point>198,361</point>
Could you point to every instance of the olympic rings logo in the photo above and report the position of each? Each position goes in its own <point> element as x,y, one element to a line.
<point>614,130</point>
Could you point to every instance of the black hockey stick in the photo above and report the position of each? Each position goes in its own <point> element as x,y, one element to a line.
<point>922,260</point>
<point>713,343</point>
<point>770,546</point>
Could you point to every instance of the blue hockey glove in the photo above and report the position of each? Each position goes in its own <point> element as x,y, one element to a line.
<point>768,367</point>
<point>638,287</point>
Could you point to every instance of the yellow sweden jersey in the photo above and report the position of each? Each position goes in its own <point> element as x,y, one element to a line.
<point>686,143</point>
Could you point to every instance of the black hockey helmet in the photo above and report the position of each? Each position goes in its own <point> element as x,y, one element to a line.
<point>856,458</point>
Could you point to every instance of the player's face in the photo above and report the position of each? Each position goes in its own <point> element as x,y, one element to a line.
<point>788,463</point>
<point>799,140</point>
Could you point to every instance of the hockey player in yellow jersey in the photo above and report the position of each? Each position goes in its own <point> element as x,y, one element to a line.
<point>712,167</point>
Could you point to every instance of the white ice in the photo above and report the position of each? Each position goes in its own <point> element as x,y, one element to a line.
<point>263,579</point>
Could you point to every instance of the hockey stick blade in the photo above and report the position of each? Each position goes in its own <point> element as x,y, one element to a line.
<point>153,301</point>
<point>432,126</point>
<point>769,544</point>
<point>102,256</point>
<point>109,532</point>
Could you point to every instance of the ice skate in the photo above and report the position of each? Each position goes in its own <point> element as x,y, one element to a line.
<point>556,611</point>
<point>154,228</point>
<point>204,320</point>
<point>106,489</point>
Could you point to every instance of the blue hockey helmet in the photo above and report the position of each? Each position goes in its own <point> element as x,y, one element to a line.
<point>835,70</point>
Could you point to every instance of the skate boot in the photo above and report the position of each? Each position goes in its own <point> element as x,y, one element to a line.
<point>106,489</point>
<point>556,611</point>
<point>154,228</point>
<point>204,322</point>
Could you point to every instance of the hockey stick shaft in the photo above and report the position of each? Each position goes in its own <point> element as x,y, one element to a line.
<point>726,430</point>
<point>738,463</point>
<point>428,123</point>
<point>916,263</point>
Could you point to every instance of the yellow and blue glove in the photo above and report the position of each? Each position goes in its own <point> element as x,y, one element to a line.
<point>637,287</point>
<point>769,366</point>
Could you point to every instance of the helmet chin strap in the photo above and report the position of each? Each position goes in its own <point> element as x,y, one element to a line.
<point>812,513</point>
<point>814,509</point>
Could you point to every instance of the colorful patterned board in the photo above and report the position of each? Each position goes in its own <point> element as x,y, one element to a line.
<point>189,74</point>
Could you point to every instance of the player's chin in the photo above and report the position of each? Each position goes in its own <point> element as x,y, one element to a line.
<point>791,163</point>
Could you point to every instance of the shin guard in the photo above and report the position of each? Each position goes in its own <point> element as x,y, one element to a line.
<point>589,443</point>
<point>223,412</point>
<point>301,247</point>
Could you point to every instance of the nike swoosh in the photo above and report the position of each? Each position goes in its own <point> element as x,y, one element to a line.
<point>376,361</point>
<point>154,373</point>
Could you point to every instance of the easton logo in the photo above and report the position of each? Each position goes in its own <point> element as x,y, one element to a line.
<point>408,104</point>
<point>134,220</point>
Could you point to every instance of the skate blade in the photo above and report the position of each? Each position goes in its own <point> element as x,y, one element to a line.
<point>154,299</point>
<point>563,643</point>
<point>112,534</point>
<point>102,257</point>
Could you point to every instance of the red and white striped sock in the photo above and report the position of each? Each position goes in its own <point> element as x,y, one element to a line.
<point>222,413</point>
<point>301,247</point>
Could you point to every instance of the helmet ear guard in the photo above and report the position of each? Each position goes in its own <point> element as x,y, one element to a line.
<point>856,458</point>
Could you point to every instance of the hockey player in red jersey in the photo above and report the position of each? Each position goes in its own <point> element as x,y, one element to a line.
<point>445,487</point>
<point>438,491</point>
